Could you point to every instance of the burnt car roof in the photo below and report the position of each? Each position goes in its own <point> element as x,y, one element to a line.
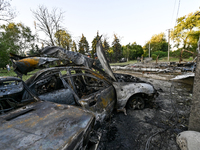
<point>43,125</point>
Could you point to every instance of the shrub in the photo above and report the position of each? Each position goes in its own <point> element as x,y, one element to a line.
<point>154,56</point>
<point>160,53</point>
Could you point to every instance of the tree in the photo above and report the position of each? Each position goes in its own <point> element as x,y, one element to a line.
<point>34,50</point>
<point>48,22</point>
<point>6,12</point>
<point>126,51</point>
<point>186,32</point>
<point>157,42</point>
<point>94,43</point>
<point>83,45</point>
<point>14,38</point>
<point>135,51</point>
<point>74,47</point>
<point>132,51</point>
<point>110,53</point>
<point>63,39</point>
<point>117,48</point>
<point>106,48</point>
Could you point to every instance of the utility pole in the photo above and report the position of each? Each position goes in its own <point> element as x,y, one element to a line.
<point>168,42</point>
<point>149,49</point>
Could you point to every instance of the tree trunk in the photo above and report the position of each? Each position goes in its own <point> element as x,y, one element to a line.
<point>194,120</point>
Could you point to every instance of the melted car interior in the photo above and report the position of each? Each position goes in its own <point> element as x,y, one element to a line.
<point>82,82</point>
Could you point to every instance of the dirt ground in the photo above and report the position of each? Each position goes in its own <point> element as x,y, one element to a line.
<point>156,126</point>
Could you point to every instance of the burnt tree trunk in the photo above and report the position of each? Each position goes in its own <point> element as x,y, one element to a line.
<point>194,120</point>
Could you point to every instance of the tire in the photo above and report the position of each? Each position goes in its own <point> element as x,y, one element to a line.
<point>136,102</point>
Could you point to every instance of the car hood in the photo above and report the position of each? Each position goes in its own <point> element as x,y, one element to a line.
<point>103,60</point>
<point>44,125</point>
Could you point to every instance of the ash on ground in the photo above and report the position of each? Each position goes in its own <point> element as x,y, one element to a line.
<point>156,126</point>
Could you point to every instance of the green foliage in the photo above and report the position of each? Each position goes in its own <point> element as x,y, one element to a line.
<point>94,43</point>
<point>132,51</point>
<point>74,47</point>
<point>177,54</point>
<point>110,53</point>
<point>157,42</point>
<point>83,45</point>
<point>14,38</point>
<point>34,50</point>
<point>187,31</point>
<point>160,53</point>
<point>106,48</point>
<point>154,56</point>
<point>63,39</point>
<point>117,49</point>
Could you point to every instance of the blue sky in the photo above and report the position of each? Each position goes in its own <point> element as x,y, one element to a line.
<point>132,20</point>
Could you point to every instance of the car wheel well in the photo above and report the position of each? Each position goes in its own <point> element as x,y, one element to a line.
<point>141,97</point>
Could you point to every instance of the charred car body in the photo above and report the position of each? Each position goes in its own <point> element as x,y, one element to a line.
<point>80,83</point>
<point>40,125</point>
<point>97,91</point>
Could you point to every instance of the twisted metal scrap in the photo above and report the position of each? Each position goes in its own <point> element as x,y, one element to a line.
<point>23,65</point>
<point>63,54</point>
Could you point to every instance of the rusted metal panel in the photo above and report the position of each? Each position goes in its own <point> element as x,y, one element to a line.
<point>101,104</point>
<point>45,125</point>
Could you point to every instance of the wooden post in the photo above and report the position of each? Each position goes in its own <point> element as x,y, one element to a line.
<point>194,120</point>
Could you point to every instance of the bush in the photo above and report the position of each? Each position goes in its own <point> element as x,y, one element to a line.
<point>177,54</point>
<point>154,56</point>
<point>160,53</point>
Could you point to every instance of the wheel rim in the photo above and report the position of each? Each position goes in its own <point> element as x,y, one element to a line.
<point>137,103</point>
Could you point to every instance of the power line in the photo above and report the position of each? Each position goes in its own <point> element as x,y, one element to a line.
<point>178,10</point>
<point>173,11</point>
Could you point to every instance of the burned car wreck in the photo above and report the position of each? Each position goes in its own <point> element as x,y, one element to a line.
<point>85,84</point>
<point>56,92</point>
<point>39,124</point>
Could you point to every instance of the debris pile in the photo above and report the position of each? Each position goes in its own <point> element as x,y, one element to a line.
<point>171,67</point>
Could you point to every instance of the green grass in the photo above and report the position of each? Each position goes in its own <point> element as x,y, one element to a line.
<point>172,59</point>
<point>4,72</point>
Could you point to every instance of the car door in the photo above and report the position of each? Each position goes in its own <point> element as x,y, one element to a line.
<point>95,94</point>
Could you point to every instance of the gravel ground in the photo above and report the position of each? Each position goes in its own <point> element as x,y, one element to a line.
<point>156,126</point>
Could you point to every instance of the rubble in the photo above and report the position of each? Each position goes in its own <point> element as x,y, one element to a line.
<point>171,67</point>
